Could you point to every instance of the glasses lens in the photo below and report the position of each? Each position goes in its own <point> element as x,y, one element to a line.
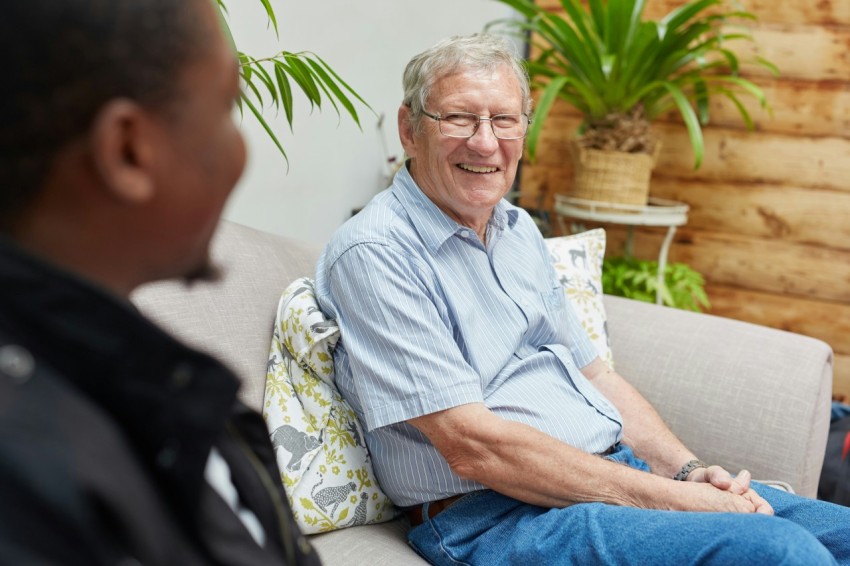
<point>509,126</point>
<point>458,124</point>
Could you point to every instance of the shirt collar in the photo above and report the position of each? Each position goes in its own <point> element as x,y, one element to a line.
<point>434,226</point>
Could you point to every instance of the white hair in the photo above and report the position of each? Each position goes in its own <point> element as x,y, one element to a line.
<point>477,52</point>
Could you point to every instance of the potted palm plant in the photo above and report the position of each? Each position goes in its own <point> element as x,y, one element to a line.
<point>622,72</point>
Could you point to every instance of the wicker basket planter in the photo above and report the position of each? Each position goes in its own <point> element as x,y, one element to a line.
<point>611,176</point>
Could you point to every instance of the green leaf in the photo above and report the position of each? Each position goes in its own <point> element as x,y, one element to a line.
<point>250,84</point>
<point>742,110</point>
<point>543,107</point>
<point>339,81</point>
<point>337,92</point>
<point>303,77</point>
<point>682,287</point>
<point>259,116</point>
<point>270,13</point>
<point>285,90</point>
<point>774,70</point>
<point>222,13</point>
<point>266,79</point>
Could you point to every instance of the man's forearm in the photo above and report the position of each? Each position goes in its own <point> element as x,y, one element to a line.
<point>524,463</point>
<point>527,464</point>
<point>643,429</point>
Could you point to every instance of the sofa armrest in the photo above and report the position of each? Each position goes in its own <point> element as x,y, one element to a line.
<point>737,394</point>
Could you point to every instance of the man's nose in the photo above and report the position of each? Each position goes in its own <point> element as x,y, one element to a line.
<point>484,140</point>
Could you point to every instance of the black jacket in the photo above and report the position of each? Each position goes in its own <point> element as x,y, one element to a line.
<point>106,423</point>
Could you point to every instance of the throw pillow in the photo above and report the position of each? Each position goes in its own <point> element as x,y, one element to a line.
<point>578,263</point>
<point>325,467</point>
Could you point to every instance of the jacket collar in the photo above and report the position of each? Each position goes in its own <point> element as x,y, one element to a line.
<point>171,401</point>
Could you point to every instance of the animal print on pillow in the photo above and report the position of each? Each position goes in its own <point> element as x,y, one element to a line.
<point>578,263</point>
<point>325,466</point>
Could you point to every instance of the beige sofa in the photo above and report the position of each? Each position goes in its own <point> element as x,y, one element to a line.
<point>739,395</point>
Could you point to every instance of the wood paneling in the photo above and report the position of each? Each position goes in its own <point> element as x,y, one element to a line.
<point>812,109</point>
<point>841,377</point>
<point>781,213</point>
<point>794,314</point>
<point>801,52</point>
<point>730,155</point>
<point>819,12</point>
<point>769,221</point>
<point>762,265</point>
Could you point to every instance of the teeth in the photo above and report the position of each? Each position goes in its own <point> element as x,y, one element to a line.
<point>475,169</point>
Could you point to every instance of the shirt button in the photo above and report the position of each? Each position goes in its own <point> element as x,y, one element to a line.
<point>16,362</point>
<point>167,456</point>
<point>181,377</point>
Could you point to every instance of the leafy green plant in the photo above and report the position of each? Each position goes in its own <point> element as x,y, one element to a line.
<point>632,278</point>
<point>621,71</point>
<point>275,76</point>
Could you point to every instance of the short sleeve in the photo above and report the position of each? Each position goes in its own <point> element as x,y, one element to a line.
<point>397,336</point>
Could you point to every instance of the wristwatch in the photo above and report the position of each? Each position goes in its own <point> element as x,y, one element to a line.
<point>688,468</point>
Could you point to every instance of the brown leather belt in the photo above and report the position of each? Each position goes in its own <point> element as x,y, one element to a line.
<point>414,515</point>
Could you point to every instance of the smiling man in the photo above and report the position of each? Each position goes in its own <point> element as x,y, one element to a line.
<point>118,151</point>
<point>489,416</point>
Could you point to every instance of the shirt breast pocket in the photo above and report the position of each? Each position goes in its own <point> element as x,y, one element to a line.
<point>553,299</point>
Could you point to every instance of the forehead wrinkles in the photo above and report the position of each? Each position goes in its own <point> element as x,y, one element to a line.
<point>495,86</point>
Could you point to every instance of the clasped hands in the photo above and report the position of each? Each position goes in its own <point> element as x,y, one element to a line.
<point>736,491</point>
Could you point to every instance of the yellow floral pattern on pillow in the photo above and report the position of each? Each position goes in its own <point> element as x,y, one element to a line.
<point>325,466</point>
<point>578,263</point>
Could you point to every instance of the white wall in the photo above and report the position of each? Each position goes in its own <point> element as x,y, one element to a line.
<point>333,166</point>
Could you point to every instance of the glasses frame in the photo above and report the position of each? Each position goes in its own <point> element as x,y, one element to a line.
<point>439,119</point>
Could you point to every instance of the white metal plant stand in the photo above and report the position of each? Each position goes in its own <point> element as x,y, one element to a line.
<point>658,212</point>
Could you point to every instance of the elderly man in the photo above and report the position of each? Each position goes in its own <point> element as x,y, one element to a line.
<point>490,417</point>
<point>119,445</point>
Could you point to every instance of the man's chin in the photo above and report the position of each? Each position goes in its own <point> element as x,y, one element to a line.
<point>205,272</point>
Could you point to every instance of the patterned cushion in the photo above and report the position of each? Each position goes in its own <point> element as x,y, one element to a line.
<point>325,467</point>
<point>578,262</point>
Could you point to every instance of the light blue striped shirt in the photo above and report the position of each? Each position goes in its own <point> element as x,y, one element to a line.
<point>431,319</point>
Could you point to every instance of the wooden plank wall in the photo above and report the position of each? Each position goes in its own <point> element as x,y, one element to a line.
<point>769,225</point>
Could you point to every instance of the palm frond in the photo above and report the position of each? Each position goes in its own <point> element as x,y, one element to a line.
<point>268,81</point>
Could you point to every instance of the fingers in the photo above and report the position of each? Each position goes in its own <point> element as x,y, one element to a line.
<point>743,479</point>
<point>721,479</point>
<point>761,506</point>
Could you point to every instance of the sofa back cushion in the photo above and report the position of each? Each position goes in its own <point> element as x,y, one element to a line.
<point>232,319</point>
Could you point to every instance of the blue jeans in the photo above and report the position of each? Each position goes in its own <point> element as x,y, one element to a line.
<point>487,528</point>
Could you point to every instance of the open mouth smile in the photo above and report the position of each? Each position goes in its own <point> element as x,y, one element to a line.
<point>475,169</point>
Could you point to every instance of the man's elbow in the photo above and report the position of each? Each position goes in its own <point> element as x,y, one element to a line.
<point>469,463</point>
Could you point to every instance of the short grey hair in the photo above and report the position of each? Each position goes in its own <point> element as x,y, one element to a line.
<point>477,52</point>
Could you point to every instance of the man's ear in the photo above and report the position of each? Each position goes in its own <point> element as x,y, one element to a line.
<point>405,131</point>
<point>124,150</point>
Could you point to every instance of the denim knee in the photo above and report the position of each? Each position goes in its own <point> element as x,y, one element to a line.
<point>771,540</point>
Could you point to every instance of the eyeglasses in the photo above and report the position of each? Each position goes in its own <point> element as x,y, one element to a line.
<point>465,124</point>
